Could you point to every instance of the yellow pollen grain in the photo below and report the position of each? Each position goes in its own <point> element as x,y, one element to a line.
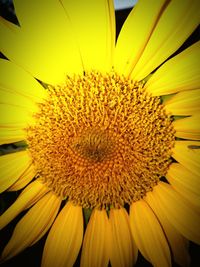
<point>101,140</point>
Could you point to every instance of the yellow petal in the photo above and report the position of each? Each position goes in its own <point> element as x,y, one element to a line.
<point>135,34</point>
<point>176,23</point>
<point>35,223</point>
<point>15,117</point>
<point>185,182</point>
<point>188,128</point>
<point>178,174</point>
<point>24,179</point>
<point>184,103</point>
<point>28,197</point>
<point>10,135</point>
<point>188,154</point>
<point>94,25</point>
<point>177,74</point>
<point>95,244</point>
<point>16,80</point>
<point>148,234</point>
<point>12,166</point>
<point>181,213</point>
<point>122,250</point>
<point>64,239</point>
<point>44,45</point>
<point>15,99</point>
<point>178,243</point>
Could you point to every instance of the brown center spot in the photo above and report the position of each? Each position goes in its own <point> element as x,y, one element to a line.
<point>94,145</point>
<point>101,140</point>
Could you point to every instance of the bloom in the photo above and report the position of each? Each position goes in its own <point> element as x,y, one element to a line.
<point>99,135</point>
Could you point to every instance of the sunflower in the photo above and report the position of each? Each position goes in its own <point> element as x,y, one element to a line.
<point>110,156</point>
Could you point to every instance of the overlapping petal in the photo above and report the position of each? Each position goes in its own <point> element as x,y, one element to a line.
<point>188,154</point>
<point>31,194</point>
<point>179,211</point>
<point>22,83</point>
<point>135,34</point>
<point>188,128</point>
<point>148,234</point>
<point>178,244</point>
<point>178,74</point>
<point>15,117</point>
<point>24,179</point>
<point>184,103</point>
<point>95,250</point>
<point>43,46</point>
<point>11,134</point>
<point>64,239</point>
<point>185,182</point>
<point>174,26</point>
<point>94,32</point>
<point>33,225</point>
<point>123,252</point>
<point>12,166</point>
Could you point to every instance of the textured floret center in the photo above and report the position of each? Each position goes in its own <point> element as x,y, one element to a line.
<point>101,140</point>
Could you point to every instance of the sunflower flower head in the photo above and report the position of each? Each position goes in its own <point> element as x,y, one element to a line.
<point>110,161</point>
<point>114,139</point>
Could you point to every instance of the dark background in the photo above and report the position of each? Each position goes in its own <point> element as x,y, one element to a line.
<point>32,256</point>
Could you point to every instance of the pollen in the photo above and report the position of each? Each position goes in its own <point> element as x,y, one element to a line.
<point>100,140</point>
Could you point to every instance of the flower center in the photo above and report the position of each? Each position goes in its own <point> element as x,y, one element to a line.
<point>101,140</point>
<point>93,145</point>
